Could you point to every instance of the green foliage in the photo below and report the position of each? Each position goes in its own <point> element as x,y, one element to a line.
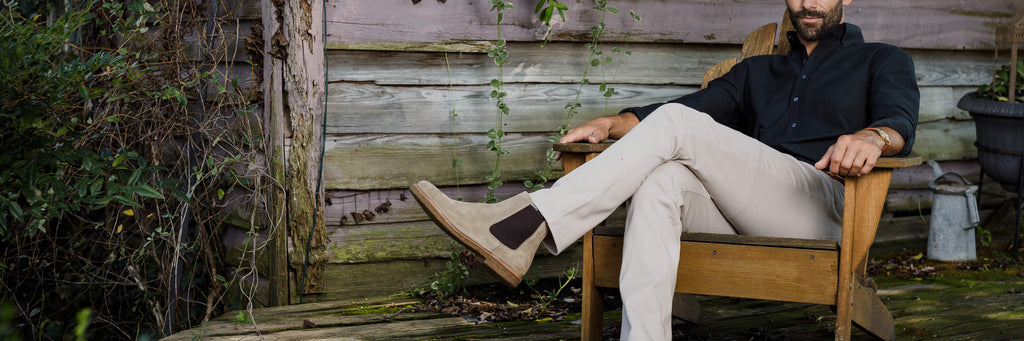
<point>546,9</point>
<point>48,173</point>
<point>242,317</point>
<point>500,55</point>
<point>83,323</point>
<point>451,280</point>
<point>551,296</point>
<point>997,91</point>
<point>92,114</point>
<point>596,59</point>
<point>8,322</point>
<point>58,182</point>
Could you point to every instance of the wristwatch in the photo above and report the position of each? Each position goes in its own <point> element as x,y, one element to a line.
<point>884,136</point>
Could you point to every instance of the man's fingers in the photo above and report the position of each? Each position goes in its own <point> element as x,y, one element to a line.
<point>573,135</point>
<point>835,164</point>
<point>824,162</point>
<point>585,133</point>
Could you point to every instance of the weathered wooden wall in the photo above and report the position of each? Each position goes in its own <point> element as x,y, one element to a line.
<point>396,68</point>
<point>227,44</point>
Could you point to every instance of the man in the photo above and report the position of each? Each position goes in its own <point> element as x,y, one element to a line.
<point>761,151</point>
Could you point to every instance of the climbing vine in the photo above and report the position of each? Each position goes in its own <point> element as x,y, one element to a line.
<point>596,58</point>
<point>500,55</point>
<point>546,9</point>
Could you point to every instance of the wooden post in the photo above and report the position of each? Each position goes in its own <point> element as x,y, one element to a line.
<point>298,47</point>
<point>593,307</point>
<point>273,127</point>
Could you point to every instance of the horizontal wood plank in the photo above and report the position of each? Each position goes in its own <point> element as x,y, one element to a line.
<point>920,200</point>
<point>397,161</point>
<point>918,177</point>
<point>939,103</point>
<point>946,24</point>
<point>442,46</point>
<point>669,64</point>
<point>344,202</point>
<point>781,274</point>
<point>367,108</point>
<point>361,162</point>
<point>369,243</point>
<point>736,239</point>
<point>356,281</point>
<point>946,140</point>
<point>362,108</point>
<point>682,64</point>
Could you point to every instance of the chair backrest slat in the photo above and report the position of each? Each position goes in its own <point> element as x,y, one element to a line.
<point>759,42</point>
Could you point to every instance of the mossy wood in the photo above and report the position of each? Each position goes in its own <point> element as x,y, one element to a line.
<point>354,281</point>
<point>302,71</point>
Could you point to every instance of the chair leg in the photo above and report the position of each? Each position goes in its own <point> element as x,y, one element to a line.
<point>870,314</point>
<point>687,308</point>
<point>591,324</point>
<point>843,321</point>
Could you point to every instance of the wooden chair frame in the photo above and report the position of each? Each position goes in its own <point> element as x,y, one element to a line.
<point>794,270</point>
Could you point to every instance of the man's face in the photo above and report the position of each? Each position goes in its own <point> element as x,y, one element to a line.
<point>812,19</point>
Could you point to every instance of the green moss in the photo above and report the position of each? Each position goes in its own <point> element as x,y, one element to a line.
<point>1008,315</point>
<point>374,310</point>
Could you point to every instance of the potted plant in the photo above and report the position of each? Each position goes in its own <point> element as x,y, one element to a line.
<point>998,115</point>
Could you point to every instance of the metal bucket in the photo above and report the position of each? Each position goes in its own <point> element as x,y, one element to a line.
<point>954,217</point>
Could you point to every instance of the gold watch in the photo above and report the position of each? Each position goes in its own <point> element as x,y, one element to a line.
<point>884,136</point>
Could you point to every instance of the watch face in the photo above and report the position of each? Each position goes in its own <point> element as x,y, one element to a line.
<point>885,137</point>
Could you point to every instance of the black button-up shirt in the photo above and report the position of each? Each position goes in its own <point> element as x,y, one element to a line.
<point>800,104</point>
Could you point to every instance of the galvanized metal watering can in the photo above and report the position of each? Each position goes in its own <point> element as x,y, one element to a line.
<point>954,217</point>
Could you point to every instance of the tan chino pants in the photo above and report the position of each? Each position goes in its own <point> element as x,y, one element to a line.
<point>682,171</point>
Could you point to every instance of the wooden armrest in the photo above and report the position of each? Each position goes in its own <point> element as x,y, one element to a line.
<point>883,162</point>
<point>899,162</point>
<point>581,147</point>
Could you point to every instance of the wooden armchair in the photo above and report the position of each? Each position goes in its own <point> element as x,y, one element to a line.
<point>794,270</point>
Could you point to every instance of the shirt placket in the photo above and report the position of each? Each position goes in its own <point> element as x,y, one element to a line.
<point>794,116</point>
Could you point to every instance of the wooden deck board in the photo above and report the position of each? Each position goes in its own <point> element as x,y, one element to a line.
<point>943,310</point>
<point>957,305</point>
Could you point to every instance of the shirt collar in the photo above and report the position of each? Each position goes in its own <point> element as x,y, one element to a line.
<point>842,35</point>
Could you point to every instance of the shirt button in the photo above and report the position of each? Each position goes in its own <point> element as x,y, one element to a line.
<point>803,61</point>
<point>796,99</point>
<point>803,76</point>
<point>792,125</point>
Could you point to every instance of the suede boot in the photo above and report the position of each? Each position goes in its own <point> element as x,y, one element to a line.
<point>505,234</point>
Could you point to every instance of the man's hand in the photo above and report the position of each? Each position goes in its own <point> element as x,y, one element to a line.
<point>601,128</point>
<point>855,154</point>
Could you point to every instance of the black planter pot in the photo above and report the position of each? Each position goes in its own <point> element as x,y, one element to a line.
<point>1000,131</point>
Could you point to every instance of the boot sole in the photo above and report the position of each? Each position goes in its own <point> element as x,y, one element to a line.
<point>495,265</point>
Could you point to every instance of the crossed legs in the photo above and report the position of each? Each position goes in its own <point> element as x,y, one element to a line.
<point>685,172</point>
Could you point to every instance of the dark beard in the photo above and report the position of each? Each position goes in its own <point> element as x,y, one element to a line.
<point>807,33</point>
